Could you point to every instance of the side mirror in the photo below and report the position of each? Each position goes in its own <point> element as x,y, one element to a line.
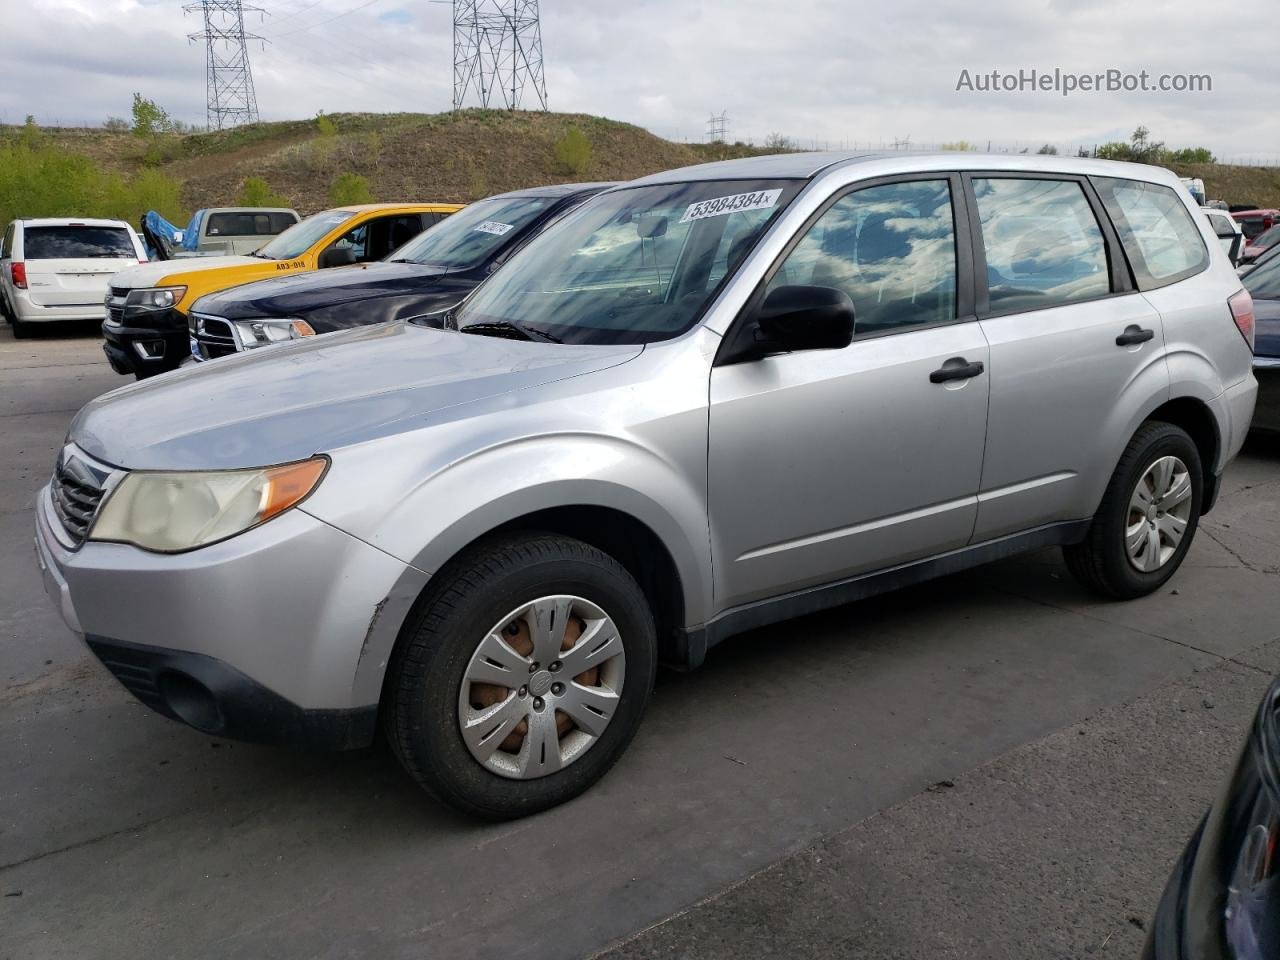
<point>336,257</point>
<point>805,318</point>
<point>789,319</point>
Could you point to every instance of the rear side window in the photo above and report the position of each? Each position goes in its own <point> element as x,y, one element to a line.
<point>248,224</point>
<point>1043,244</point>
<point>66,243</point>
<point>1161,240</point>
<point>6,245</point>
<point>891,248</point>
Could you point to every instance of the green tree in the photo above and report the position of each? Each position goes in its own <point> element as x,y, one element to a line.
<point>149,118</point>
<point>350,188</point>
<point>116,125</point>
<point>256,192</point>
<point>1191,155</point>
<point>1048,150</point>
<point>325,126</point>
<point>573,152</point>
<point>959,146</point>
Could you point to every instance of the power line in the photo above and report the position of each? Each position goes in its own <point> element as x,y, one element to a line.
<point>229,94</point>
<point>321,23</point>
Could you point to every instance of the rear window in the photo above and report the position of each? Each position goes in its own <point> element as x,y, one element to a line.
<point>1161,240</point>
<point>248,224</point>
<point>74,243</point>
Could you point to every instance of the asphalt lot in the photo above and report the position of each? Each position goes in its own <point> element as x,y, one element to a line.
<point>993,765</point>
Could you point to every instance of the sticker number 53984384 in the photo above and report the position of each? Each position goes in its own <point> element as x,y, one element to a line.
<point>720,206</point>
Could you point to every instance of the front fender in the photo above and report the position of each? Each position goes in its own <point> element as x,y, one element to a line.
<point>501,484</point>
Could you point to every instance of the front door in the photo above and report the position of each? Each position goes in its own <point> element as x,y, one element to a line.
<point>828,463</point>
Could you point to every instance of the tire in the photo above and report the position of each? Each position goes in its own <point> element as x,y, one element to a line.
<point>21,329</point>
<point>425,703</point>
<point>1102,561</point>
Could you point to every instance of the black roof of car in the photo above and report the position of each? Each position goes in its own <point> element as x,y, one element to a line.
<point>556,190</point>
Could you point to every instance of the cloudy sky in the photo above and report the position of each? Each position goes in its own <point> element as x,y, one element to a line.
<point>832,71</point>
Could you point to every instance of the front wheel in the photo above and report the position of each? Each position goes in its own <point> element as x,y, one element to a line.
<point>524,678</point>
<point>1148,516</point>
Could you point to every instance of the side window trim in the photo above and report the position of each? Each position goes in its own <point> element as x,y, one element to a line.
<point>964,253</point>
<point>1120,276</point>
<point>1141,267</point>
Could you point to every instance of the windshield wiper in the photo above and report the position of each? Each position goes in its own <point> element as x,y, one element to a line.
<point>499,328</point>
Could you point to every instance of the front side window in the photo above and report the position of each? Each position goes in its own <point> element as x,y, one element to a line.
<point>473,234</point>
<point>891,248</point>
<point>74,243</point>
<point>634,265</point>
<point>1043,244</point>
<point>1161,240</point>
<point>304,234</point>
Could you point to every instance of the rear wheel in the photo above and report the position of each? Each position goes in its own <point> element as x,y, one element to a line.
<point>524,678</point>
<point>21,329</point>
<point>1148,516</point>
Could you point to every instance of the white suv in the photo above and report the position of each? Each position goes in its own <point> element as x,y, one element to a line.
<point>57,269</point>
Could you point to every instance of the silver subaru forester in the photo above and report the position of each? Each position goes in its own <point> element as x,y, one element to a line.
<point>704,401</point>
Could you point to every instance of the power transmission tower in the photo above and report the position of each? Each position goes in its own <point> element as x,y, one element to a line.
<point>229,81</point>
<point>497,48</point>
<point>718,128</point>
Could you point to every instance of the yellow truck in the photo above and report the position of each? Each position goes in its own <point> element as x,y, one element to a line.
<point>145,329</point>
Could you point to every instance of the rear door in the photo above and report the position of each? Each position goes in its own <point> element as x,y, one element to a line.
<point>1076,351</point>
<point>69,266</point>
<point>828,463</point>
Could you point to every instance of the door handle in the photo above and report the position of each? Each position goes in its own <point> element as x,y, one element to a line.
<point>957,368</point>
<point>1134,334</point>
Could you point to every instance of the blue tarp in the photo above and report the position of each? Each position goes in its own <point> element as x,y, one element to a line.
<point>168,233</point>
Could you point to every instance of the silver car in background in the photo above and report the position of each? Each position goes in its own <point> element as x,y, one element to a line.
<point>704,401</point>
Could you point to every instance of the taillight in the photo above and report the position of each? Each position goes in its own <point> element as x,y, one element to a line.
<point>19,274</point>
<point>1242,313</point>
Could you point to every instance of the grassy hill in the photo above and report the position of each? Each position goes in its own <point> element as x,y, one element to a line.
<point>402,156</point>
<point>445,156</point>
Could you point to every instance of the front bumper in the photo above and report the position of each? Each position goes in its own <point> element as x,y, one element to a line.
<point>260,637</point>
<point>146,345</point>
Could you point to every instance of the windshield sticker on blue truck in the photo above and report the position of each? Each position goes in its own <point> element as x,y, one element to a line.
<point>494,227</point>
<point>739,202</point>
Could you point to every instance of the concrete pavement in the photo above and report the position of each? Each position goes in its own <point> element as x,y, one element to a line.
<point>129,835</point>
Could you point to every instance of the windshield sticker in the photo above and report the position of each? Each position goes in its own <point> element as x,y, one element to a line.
<point>494,227</point>
<point>720,206</point>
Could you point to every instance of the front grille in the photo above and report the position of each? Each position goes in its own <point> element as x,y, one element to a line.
<point>213,336</point>
<point>77,489</point>
<point>115,304</point>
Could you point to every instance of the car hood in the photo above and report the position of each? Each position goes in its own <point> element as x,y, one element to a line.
<point>300,294</point>
<point>292,401</point>
<point>155,272</point>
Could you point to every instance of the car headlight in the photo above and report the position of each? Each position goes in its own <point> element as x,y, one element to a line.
<point>172,512</point>
<point>259,333</point>
<point>155,298</point>
<point>1252,915</point>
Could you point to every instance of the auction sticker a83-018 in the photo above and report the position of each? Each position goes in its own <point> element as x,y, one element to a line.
<point>758,200</point>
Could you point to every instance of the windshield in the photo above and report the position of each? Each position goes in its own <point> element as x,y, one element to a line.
<point>299,238</point>
<point>630,266</point>
<point>1263,281</point>
<point>473,234</point>
<point>1268,238</point>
